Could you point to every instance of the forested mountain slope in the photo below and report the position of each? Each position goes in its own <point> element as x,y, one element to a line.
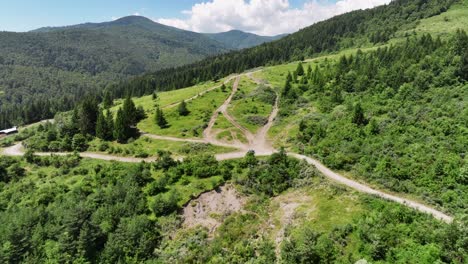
<point>65,63</point>
<point>236,39</point>
<point>358,28</point>
<point>355,29</point>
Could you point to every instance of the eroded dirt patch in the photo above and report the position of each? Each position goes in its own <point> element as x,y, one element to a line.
<point>287,205</point>
<point>210,209</point>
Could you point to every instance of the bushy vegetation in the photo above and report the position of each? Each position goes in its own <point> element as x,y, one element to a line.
<point>363,228</point>
<point>394,116</point>
<point>384,233</point>
<point>69,210</point>
<point>50,70</point>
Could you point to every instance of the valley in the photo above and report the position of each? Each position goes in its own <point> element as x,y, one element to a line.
<point>348,148</point>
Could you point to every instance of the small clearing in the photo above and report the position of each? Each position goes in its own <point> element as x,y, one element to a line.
<point>211,208</point>
<point>284,216</point>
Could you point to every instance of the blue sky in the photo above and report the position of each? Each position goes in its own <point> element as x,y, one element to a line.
<point>24,15</point>
<point>266,17</point>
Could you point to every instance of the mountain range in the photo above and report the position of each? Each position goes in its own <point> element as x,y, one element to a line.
<point>70,61</point>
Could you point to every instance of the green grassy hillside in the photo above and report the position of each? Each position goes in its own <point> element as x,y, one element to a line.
<point>65,63</point>
<point>391,115</point>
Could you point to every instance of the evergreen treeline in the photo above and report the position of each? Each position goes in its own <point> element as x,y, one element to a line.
<point>20,105</point>
<point>50,70</point>
<point>396,116</point>
<point>333,34</point>
<point>72,131</point>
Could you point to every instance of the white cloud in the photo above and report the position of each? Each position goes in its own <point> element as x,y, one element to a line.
<point>265,17</point>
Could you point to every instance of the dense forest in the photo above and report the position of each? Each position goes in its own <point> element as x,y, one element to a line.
<point>356,28</point>
<point>49,70</point>
<point>396,116</point>
<point>97,71</point>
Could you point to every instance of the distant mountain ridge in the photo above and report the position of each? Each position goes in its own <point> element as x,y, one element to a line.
<point>236,39</point>
<point>233,39</point>
<point>65,63</point>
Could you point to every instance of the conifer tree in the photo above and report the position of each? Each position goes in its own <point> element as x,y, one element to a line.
<point>88,116</point>
<point>223,88</point>
<point>129,112</point>
<point>300,69</point>
<point>110,125</point>
<point>358,115</point>
<point>336,94</point>
<point>309,72</point>
<point>120,127</point>
<point>183,111</point>
<point>289,77</point>
<point>160,119</point>
<point>101,126</point>
<point>107,101</point>
<point>154,96</point>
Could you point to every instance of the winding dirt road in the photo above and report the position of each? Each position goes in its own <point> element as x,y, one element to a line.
<point>261,146</point>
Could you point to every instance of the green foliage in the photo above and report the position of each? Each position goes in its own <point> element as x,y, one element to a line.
<point>300,69</point>
<point>48,70</point>
<point>103,131</point>
<point>272,176</point>
<point>398,124</point>
<point>129,112</point>
<point>160,119</point>
<point>344,31</point>
<point>314,248</point>
<point>87,116</point>
<point>79,143</point>
<point>107,101</point>
<point>120,127</point>
<point>182,109</point>
<point>358,115</point>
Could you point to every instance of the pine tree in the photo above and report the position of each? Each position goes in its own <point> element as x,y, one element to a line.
<point>154,96</point>
<point>107,101</point>
<point>129,112</point>
<point>289,77</point>
<point>88,116</point>
<point>101,127</point>
<point>300,69</point>
<point>183,111</point>
<point>110,124</point>
<point>336,95</point>
<point>120,127</point>
<point>309,72</point>
<point>358,115</point>
<point>160,119</point>
<point>287,86</point>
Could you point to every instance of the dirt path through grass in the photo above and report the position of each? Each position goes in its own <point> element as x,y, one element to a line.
<point>262,147</point>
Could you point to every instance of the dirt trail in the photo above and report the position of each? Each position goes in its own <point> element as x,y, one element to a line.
<point>366,189</point>
<point>208,134</point>
<point>261,146</point>
<point>202,93</point>
<point>192,140</point>
<point>18,150</point>
<point>260,143</point>
<point>15,150</point>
